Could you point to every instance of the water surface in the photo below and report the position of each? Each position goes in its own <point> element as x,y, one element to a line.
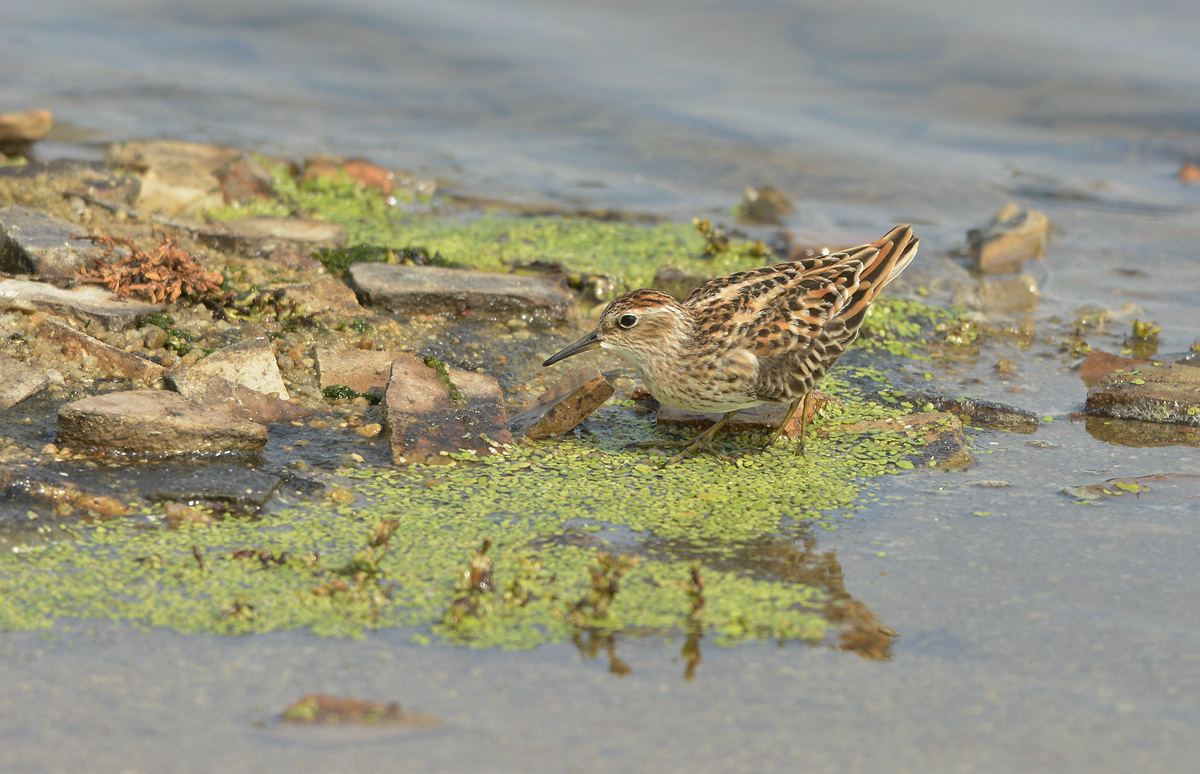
<point>1042,636</point>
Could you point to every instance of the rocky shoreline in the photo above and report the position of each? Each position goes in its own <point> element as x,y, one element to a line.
<point>160,329</point>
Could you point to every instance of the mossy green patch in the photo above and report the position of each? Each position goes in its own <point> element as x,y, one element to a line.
<point>396,550</point>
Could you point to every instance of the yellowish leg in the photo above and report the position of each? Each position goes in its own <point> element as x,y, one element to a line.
<point>803,422</point>
<point>703,439</point>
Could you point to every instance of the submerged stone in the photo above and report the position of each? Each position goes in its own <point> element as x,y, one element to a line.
<point>435,290</point>
<point>223,484</point>
<point>944,442</point>
<point>155,422</point>
<point>1160,392</point>
<point>38,485</point>
<point>559,409</point>
<point>18,382</point>
<point>1007,295</point>
<point>1183,488</point>
<point>38,244</point>
<point>84,302</point>
<point>429,419</point>
<point>110,359</point>
<point>980,413</point>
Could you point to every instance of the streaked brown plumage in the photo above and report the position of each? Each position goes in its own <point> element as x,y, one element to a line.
<point>760,336</point>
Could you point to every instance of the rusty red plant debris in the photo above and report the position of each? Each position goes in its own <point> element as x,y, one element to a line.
<point>162,274</point>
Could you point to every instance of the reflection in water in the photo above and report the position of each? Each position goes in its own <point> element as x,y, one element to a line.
<point>780,558</point>
<point>859,630</point>
<point>596,640</point>
<point>1132,432</point>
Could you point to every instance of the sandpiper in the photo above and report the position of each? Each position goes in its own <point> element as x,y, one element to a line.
<point>765,335</point>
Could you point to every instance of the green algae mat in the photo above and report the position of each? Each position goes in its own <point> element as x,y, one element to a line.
<point>536,545</point>
<point>541,543</point>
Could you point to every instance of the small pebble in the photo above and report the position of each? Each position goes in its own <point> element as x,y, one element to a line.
<point>155,337</point>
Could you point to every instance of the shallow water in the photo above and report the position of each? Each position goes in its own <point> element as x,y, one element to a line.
<point>1043,636</point>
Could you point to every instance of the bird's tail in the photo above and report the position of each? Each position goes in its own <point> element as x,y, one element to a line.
<point>882,261</point>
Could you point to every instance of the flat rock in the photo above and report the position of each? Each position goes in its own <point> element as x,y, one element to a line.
<point>559,409</point>
<point>236,399</point>
<point>259,229</point>
<point>250,363</point>
<point>1013,237</point>
<point>75,344</point>
<point>1167,393</point>
<point>327,296</point>
<point>423,421</point>
<point>760,419</point>
<point>86,302</point>
<point>34,243</point>
<point>1098,365</point>
<point>945,442</point>
<point>178,178</point>
<point>435,290</point>
<point>155,422</point>
<point>18,382</point>
<point>362,370</point>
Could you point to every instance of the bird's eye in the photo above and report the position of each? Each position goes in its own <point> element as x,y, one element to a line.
<point>627,320</point>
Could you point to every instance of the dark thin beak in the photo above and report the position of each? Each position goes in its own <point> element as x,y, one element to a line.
<point>590,341</point>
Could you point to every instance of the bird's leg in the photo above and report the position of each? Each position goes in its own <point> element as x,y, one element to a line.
<point>791,412</point>
<point>704,439</point>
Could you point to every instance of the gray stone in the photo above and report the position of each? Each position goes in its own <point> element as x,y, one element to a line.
<point>362,370</point>
<point>558,410</point>
<point>249,363</point>
<point>435,290</point>
<point>112,360</point>
<point>155,422</point>
<point>236,399</point>
<point>34,243</point>
<point>426,424</point>
<point>86,302</point>
<point>18,382</point>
